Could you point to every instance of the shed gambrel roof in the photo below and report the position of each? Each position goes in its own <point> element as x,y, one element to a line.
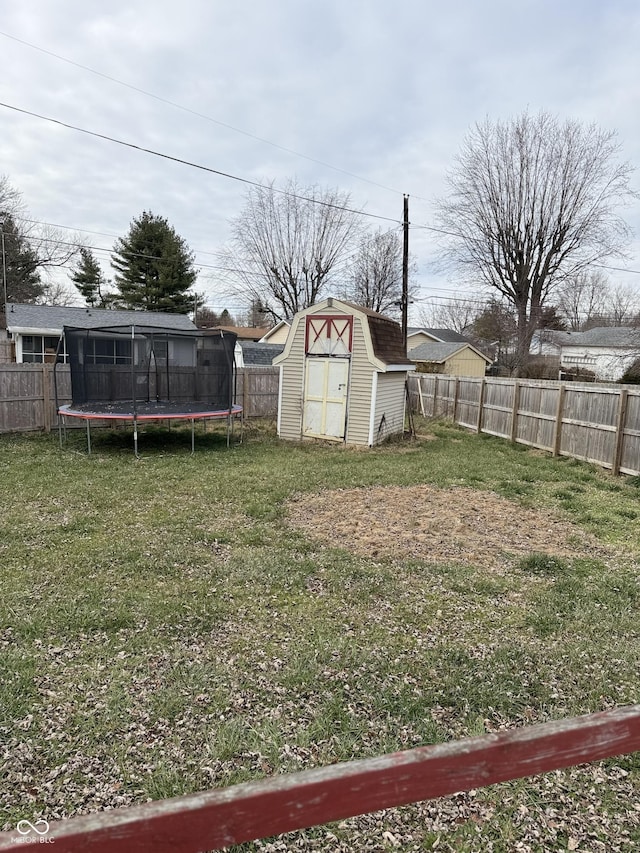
<point>56,317</point>
<point>440,352</point>
<point>385,334</point>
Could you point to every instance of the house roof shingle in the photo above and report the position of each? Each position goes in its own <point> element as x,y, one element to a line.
<point>259,354</point>
<point>386,337</point>
<point>605,336</point>
<point>55,317</point>
<point>441,335</point>
<point>243,333</point>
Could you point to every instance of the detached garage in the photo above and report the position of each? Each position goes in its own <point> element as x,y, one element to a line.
<point>342,375</point>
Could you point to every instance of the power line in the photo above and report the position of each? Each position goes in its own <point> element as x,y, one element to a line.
<point>194,165</point>
<point>198,114</point>
<point>231,269</point>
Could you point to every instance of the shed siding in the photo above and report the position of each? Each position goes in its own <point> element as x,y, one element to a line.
<point>465,363</point>
<point>292,388</point>
<point>359,412</point>
<point>389,414</point>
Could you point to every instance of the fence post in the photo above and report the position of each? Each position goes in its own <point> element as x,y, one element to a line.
<point>483,383</point>
<point>418,379</point>
<point>557,431</point>
<point>456,391</point>
<point>514,411</point>
<point>435,394</point>
<point>46,398</point>
<point>622,413</point>
<point>245,393</point>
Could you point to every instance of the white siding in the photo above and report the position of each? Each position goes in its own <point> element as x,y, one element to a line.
<point>359,402</point>
<point>390,401</point>
<point>609,365</point>
<point>292,389</point>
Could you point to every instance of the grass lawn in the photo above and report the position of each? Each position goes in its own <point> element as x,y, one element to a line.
<point>164,629</point>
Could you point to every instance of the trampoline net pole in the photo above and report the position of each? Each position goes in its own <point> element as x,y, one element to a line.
<point>133,390</point>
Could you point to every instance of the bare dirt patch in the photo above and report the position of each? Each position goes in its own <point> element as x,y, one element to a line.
<point>437,525</point>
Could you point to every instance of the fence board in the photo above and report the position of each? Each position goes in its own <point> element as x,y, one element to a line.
<point>28,400</point>
<point>579,420</point>
<point>217,819</point>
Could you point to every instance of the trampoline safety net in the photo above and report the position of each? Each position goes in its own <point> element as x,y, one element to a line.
<point>145,366</point>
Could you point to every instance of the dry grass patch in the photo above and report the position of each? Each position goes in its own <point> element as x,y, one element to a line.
<point>436,525</point>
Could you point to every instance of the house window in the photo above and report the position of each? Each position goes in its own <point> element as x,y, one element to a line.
<point>108,351</point>
<point>38,349</point>
<point>161,351</point>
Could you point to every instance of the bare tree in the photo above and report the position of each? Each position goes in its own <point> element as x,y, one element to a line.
<point>582,296</point>
<point>623,306</point>
<point>57,292</point>
<point>33,251</point>
<point>287,245</point>
<point>456,313</point>
<point>533,201</point>
<point>374,275</point>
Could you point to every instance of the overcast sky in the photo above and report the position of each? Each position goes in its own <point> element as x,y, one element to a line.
<point>367,96</point>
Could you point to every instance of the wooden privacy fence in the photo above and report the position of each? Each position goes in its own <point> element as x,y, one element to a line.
<point>216,819</point>
<point>27,398</point>
<point>596,423</point>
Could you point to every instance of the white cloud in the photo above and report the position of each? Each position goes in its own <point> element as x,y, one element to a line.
<point>382,91</point>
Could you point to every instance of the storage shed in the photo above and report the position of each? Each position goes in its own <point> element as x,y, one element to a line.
<point>342,375</point>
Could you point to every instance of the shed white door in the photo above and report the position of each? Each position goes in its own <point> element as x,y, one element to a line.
<point>325,397</point>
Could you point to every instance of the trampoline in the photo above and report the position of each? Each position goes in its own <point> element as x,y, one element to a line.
<point>137,374</point>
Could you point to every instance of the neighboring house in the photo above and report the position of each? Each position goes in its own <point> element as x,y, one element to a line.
<point>549,342</point>
<point>5,344</point>
<point>607,352</point>
<point>35,330</point>
<point>453,358</point>
<point>420,335</point>
<point>256,354</point>
<point>243,333</point>
<point>277,335</point>
<point>342,375</point>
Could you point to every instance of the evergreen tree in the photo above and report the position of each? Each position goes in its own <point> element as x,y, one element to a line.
<point>154,267</point>
<point>20,265</point>
<point>90,280</point>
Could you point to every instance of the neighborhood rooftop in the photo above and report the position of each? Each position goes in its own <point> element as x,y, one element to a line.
<point>605,336</point>
<point>55,317</point>
<point>443,335</point>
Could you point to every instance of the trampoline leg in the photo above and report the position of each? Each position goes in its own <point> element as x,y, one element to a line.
<point>88,437</point>
<point>135,438</point>
<point>193,436</point>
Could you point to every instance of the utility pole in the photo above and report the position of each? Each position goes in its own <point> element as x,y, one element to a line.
<point>405,270</point>
<point>4,267</point>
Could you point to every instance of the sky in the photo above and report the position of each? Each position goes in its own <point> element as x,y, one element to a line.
<point>365,96</point>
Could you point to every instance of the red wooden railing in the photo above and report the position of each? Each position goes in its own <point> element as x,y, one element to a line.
<point>219,818</point>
